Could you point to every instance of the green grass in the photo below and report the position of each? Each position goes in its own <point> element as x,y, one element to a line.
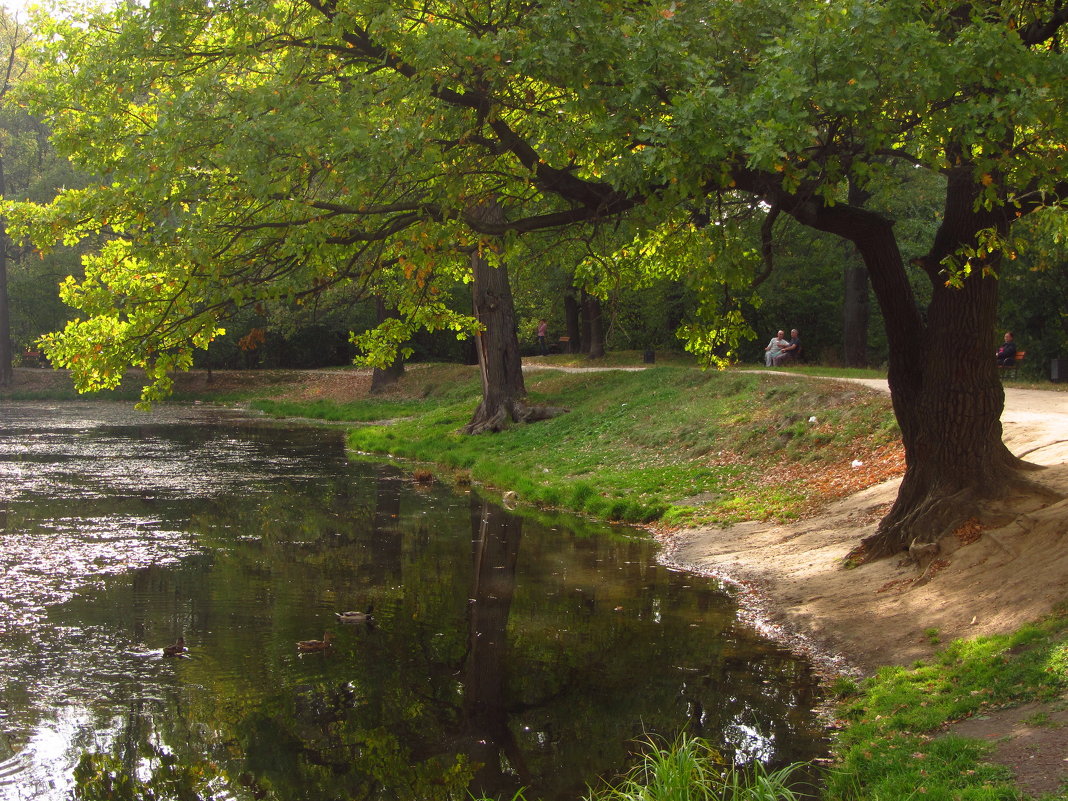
<point>670,443</point>
<point>892,747</point>
<point>690,770</point>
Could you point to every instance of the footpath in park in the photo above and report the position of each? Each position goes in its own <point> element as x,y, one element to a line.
<point>877,614</point>
<point>989,579</point>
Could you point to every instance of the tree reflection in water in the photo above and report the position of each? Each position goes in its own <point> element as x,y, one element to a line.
<point>492,666</point>
<point>495,537</point>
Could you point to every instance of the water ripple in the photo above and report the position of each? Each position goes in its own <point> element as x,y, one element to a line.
<point>49,564</point>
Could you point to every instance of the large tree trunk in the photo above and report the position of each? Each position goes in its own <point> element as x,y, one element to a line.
<point>855,315</point>
<point>7,358</point>
<point>497,346</point>
<point>944,385</point>
<point>592,327</point>
<point>381,379</point>
<point>500,365</point>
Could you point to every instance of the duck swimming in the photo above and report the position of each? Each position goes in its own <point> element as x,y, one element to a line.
<point>177,649</point>
<point>356,617</point>
<point>316,645</point>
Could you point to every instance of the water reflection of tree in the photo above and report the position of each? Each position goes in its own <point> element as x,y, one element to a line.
<point>484,666</point>
<point>495,544</point>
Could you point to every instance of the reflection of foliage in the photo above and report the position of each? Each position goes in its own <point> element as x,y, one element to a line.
<point>391,766</point>
<point>574,694</point>
<point>102,777</point>
<point>340,757</point>
<point>364,762</point>
<point>564,647</point>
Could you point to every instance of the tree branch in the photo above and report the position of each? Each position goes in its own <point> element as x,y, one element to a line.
<point>1041,31</point>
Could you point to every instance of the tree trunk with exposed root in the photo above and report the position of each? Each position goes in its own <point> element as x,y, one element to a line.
<point>945,389</point>
<point>500,365</point>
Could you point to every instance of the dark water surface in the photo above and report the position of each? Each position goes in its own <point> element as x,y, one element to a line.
<point>523,652</point>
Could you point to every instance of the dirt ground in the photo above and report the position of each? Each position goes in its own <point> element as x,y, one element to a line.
<point>304,385</point>
<point>991,578</point>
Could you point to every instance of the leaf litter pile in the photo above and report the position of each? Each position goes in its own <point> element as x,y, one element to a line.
<point>822,482</point>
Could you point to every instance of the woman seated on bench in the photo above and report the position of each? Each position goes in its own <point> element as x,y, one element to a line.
<point>1006,354</point>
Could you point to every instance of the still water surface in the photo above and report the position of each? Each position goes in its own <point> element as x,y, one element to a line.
<point>522,652</point>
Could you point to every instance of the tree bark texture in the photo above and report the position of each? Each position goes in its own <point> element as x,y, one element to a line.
<point>944,385</point>
<point>500,364</point>
<point>499,361</point>
<point>592,327</point>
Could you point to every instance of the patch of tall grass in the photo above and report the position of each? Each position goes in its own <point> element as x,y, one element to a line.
<point>690,770</point>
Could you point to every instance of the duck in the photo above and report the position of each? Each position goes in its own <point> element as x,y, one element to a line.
<point>177,649</point>
<point>316,645</point>
<point>356,617</point>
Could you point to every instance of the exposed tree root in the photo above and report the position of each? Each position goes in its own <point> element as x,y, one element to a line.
<point>917,527</point>
<point>508,413</point>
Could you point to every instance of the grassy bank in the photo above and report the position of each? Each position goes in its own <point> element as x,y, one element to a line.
<point>897,740</point>
<point>668,443</point>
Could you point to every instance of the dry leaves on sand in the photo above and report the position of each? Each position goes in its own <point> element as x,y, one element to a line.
<point>824,483</point>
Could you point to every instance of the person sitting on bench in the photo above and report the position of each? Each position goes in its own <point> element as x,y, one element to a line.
<point>791,352</point>
<point>774,348</point>
<point>1006,354</point>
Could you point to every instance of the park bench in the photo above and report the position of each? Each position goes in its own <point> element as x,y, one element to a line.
<point>1005,369</point>
<point>32,358</point>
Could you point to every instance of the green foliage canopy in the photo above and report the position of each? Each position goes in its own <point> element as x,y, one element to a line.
<point>261,151</point>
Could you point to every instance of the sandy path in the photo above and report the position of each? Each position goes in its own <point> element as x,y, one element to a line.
<point>883,613</point>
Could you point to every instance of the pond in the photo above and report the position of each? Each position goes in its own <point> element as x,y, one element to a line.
<point>505,651</point>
